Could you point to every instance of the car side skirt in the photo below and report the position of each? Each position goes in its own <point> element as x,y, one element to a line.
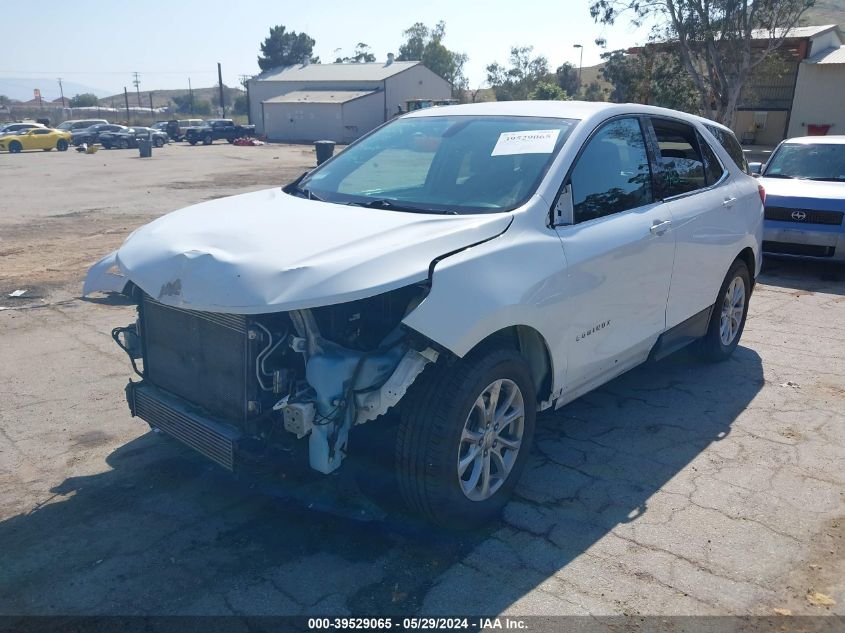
<point>681,335</point>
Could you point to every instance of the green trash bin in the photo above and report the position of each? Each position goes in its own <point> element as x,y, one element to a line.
<point>325,149</point>
<point>145,148</point>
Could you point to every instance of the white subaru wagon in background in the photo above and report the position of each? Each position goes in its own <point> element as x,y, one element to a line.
<point>417,299</point>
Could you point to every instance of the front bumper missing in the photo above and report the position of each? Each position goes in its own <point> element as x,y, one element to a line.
<point>172,415</point>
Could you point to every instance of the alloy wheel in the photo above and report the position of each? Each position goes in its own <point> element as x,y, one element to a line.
<point>733,308</point>
<point>491,439</point>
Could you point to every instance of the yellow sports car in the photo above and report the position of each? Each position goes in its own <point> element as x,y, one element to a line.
<point>36,138</point>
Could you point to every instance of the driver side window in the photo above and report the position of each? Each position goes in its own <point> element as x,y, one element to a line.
<point>613,172</point>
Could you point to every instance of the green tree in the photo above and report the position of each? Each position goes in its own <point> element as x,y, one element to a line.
<point>240,105</point>
<point>594,92</point>
<point>426,45</point>
<point>285,48</point>
<point>84,100</point>
<point>519,80</point>
<point>4,100</point>
<point>713,39</point>
<point>567,78</point>
<point>361,55</point>
<point>653,76</point>
<point>182,105</point>
<point>548,91</point>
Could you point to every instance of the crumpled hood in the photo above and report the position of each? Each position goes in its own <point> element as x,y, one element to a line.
<point>808,194</point>
<point>270,252</point>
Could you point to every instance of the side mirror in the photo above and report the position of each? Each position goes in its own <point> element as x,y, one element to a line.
<point>756,168</point>
<point>563,213</point>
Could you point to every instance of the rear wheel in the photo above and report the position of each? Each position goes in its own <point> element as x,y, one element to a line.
<point>61,145</point>
<point>728,319</point>
<point>192,141</point>
<point>159,142</point>
<point>15,147</point>
<point>465,434</point>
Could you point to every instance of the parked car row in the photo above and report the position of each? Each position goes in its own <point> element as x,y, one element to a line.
<point>112,135</point>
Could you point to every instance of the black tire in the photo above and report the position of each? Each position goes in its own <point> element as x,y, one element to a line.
<point>712,346</point>
<point>207,139</point>
<point>192,141</point>
<point>123,143</point>
<point>230,139</point>
<point>158,142</point>
<point>429,437</point>
<point>107,145</point>
<point>61,145</point>
<point>15,147</point>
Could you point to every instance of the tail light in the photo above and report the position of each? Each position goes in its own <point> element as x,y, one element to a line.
<point>762,191</point>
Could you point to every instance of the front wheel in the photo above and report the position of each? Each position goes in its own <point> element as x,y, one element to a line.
<point>728,319</point>
<point>61,145</point>
<point>192,141</point>
<point>123,144</point>
<point>15,147</point>
<point>207,140</point>
<point>464,436</point>
<point>159,142</point>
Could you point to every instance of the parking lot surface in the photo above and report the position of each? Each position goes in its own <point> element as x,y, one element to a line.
<point>679,488</point>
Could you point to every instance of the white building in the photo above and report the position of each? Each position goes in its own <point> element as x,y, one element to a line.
<point>337,102</point>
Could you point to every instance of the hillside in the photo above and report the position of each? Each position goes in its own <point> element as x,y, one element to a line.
<point>162,98</point>
<point>826,12</point>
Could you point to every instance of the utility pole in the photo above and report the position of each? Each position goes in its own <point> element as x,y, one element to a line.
<point>126,99</point>
<point>152,112</point>
<point>581,62</point>
<point>245,84</point>
<point>137,82</point>
<point>62,92</point>
<point>220,81</point>
<point>191,95</point>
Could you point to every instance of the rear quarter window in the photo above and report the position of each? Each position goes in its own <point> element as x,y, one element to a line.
<point>728,141</point>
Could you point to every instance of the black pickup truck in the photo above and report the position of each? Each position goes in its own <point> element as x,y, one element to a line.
<point>216,129</point>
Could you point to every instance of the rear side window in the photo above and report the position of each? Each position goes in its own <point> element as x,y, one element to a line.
<point>680,158</point>
<point>728,141</point>
<point>612,173</point>
<point>712,167</point>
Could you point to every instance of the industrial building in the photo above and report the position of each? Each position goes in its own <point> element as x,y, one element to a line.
<point>338,102</point>
<point>802,95</point>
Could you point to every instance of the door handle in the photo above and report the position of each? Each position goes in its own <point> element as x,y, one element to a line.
<point>660,227</point>
<point>728,202</point>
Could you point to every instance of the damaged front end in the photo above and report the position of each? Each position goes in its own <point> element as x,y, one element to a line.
<point>238,388</point>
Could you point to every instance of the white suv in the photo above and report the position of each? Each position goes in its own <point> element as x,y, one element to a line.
<point>418,298</point>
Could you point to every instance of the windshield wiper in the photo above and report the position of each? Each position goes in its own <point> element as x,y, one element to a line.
<point>295,188</point>
<point>828,179</point>
<point>383,203</point>
<point>778,176</point>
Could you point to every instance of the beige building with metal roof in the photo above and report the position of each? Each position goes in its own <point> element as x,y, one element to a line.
<point>338,102</point>
<point>804,96</point>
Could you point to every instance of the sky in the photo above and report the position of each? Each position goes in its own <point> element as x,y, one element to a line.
<point>101,43</point>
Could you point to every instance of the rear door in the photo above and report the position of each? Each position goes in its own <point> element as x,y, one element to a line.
<point>619,250</point>
<point>701,200</point>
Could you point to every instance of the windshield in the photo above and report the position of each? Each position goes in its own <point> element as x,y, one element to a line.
<point>443,164</point>
<point>817,161</point>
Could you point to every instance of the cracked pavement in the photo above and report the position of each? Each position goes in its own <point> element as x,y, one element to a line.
<point>680,488</point>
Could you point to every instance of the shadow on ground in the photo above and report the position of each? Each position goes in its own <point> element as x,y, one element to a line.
<point>803,275</point>
<point>161,531</point>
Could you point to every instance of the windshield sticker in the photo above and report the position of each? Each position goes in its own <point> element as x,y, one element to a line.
<point>527,142</point>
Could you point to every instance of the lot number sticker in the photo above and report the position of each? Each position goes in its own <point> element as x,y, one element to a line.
<point>527,142</point>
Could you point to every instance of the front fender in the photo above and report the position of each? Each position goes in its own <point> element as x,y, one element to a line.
<point>104,276</point>
<point>518,279</point>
